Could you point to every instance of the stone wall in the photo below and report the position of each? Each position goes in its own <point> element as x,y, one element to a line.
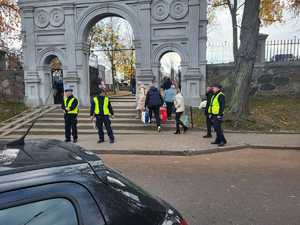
<point>12,86</point>
<point>274,79</point>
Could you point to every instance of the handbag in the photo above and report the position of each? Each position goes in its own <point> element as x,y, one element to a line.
<point>185,119</point>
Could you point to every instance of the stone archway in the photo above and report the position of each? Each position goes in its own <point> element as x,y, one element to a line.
<point>158,26</point>
<point>93,15</point>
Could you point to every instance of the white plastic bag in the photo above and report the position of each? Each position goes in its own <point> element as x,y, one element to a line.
<point>203,104</point>
<point>145,117</point>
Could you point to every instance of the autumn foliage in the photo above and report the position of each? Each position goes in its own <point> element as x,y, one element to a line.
<point>9,16</point>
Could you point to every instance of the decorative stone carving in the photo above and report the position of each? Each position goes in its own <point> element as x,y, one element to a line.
<point>41,18</point>
<point>57,17</point>
<point>179,9</point>
<point>160,10</point>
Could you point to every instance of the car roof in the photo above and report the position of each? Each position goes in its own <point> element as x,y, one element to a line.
<point>41,153</point>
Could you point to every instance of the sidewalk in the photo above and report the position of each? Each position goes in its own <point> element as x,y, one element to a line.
<point>192,143</point>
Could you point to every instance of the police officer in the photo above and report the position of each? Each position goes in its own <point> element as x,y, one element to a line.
<point>101,109</point>
<point>209,95</point>
<point>71,110</point>
<point>216,112</point>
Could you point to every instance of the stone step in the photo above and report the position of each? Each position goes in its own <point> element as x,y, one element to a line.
<point>45,132</point>
<point>87,119</point>
<point>123,100</point>
<point>87,115</point>
<point>85,110</point>
<point>86,126</point>
<point>132,110</point>
<point>125,105</point>
<point>130,97</point>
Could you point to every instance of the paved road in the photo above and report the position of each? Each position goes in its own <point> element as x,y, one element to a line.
<point>247,187</point>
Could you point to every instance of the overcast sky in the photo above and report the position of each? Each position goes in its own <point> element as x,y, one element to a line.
<point>220,34</point>
<point>221,30</point>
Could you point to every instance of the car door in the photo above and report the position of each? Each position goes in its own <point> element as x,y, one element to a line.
<point>57,203</point>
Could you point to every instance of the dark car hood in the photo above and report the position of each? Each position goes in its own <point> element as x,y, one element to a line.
<point>128,202</point>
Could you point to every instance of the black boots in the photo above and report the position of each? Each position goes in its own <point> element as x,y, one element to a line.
<point>185,129</point>
<point>177,132</point>
<point>207,136</point>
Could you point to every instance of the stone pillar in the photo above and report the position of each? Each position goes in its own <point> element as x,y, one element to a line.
<point>146,74</point>
<point>45,86</point>
<point>203,46</point>
<point>32,91</point>
<point>31,77</point>
<point>261,48</point>
<point>82,59</point>
<point>192,76</point>
<point>76,77</point>
<point>156,73</point>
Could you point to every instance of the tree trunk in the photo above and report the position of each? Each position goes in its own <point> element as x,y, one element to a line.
<point>233,12</point>
<point>234,36</point>
<point>245,60</point>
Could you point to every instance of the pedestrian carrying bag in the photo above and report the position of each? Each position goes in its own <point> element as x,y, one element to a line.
<point>145,117</point>
<point>185,119</point>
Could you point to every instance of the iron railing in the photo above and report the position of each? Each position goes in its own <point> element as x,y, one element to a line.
<point>275,51</point>
<point>283,50</point>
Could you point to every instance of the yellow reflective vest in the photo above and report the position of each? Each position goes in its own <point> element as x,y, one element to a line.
<point>214,107</point>
<point>69,105</point>
<point>105,106</point>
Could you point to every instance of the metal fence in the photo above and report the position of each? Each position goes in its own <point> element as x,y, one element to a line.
<point>275,51</point>
<point>283,50</point>
<point>219,52</point>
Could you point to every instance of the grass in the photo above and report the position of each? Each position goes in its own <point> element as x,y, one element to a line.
<point>266,114</point>
<point>10,109</point>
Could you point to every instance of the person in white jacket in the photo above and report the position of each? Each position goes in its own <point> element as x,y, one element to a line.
<point>141,98</point>
<point>179,105</point>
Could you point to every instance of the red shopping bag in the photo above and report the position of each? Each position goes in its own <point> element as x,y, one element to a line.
<point>163,115</point>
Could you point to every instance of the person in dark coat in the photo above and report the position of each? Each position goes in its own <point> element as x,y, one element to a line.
<point>216,113</point>
<point>70,106</point>
<point>153,102</point>
<point>101,109</point>
<point>209,95</point>
<point>133,85</point>
<point>167,83</point>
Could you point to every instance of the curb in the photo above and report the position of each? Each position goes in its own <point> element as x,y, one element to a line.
<point>192,152</point>
<point>169,152</point>
<point>197,129</point>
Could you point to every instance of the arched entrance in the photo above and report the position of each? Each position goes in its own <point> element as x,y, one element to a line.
<point>96,14</point>
<point>50,72</point>
<point>57,81</point>
<point>159,26</point>
<point>111,42</point>
<point>170,67</point>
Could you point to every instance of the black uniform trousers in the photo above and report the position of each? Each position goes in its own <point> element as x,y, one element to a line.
<point>208,124</point>
<point>217,124</point>
<point>71,126</point>
<point>100,120</point>
<point>155,110</point>
<point>170,106</point>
